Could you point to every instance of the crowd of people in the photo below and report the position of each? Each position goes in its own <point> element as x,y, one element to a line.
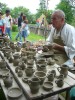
<point>6,23</point>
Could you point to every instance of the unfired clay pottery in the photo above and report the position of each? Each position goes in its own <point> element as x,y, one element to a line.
<point>16,55</point>
<point>8,80</point>
<point>30,62</point>
<point>41,75</point>
<point>59,82</point>
<point>53,71</point>
<point>2,64</point>
<point>16,62</point>
<point>20,73</point>
<point>63,70</point>
<point>47,86</point>
<point>24,58</point>
<point>14,93</point>
<point>29,71</point>
<point>34,85</point>
<point>50,77</point>
<point>22,65</point>
<point>51,61</point>
<point>41,61</point>
<point>41,67</point>
<point>10,59</point>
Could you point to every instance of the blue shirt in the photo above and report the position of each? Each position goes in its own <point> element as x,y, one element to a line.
<point>1,22</point>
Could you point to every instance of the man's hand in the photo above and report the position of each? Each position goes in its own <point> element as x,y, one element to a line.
<point>57,47</point>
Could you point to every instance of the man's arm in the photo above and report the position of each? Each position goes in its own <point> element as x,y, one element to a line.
<point>58,47</point>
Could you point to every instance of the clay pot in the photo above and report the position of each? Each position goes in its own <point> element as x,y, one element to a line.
<point>18,48</point>
<point>16,62</point>
<point>2,64</point>
<point>63,70</point>
<point>10,59</point>
<point>24,58</point>
<point>16,55</point>
<point>41,61</point>
<point>22,65</point>
<point>29,71</point>
<point>34,85</point>
<point>50,61</point>
<point>41,67</point>
<point>30,62</point>
<point>8,80</point>
<point>20,73</point>
<point>41,75</point>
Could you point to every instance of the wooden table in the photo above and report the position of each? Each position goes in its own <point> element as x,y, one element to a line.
<point>69,82</point>
<point>5,90</point>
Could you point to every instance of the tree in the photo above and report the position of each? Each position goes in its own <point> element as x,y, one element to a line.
<point>3,7</point>
<point>66,7</point>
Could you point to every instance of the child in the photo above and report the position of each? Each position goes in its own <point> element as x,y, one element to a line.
<point>25,29</point>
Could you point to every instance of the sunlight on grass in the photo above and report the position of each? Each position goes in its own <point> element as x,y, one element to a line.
<point>32,37</point>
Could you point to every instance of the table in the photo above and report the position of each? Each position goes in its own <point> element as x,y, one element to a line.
<point>5,90</point>
<point>69,82</point>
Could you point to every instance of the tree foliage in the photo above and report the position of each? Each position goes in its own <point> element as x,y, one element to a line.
<point>66,7</point>
<point>3,7</point>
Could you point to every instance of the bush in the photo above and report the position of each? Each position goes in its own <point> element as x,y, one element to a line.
<point>14,28</point>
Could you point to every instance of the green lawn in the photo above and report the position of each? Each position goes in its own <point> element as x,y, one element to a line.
<point>32,37</point>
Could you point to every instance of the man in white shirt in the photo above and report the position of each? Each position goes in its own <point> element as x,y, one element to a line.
<point>8,23</point>
<point>62,35</point>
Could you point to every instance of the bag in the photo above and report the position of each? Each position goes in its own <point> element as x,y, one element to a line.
<point>28,32</point>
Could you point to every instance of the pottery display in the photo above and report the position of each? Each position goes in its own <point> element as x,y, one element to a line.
<point>22,65</point>
<point>50,76</point>
<point>29,71</point>
<point>18,48</point>
<point>8,80</point>
<point>30,62</point>
<point>50,61</point>
<point>41,61</point>
<point>47,54</point>
<point>41,67</point>
<point>47,86</point>
<point>41,75</point>
<point>14,92</point>
<point>3,64</point>
<point>45,48</point>
<point>12,45</point>
<point>20,73</point>
<point>11,59</point>
<point>4,72</point>
<point>25,79</point>
<point>54,72</point>
<point>59,82</point>
<point>34,85</point>
<point>16,62</point>
<point>24,58</point>
<point>61,76</point>
<point>63,70</point>
<point>16,55</point>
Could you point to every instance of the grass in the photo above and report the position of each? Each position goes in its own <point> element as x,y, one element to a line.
<point>32,37</point>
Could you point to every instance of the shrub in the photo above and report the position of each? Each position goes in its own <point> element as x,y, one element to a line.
<point>14,28</point>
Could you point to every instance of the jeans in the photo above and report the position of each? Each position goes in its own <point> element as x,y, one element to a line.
<point>8,31</point>
<point>19,35</point>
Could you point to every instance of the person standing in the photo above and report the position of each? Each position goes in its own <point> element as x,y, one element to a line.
<point>20,19</point>
<point>2,25</point>
<point>25,29</point>
<point>8,23</point>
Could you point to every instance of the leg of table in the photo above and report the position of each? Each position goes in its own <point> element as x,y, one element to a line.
<point>67,95</point>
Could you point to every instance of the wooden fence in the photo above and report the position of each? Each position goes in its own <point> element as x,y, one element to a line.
<point>39,30</point>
